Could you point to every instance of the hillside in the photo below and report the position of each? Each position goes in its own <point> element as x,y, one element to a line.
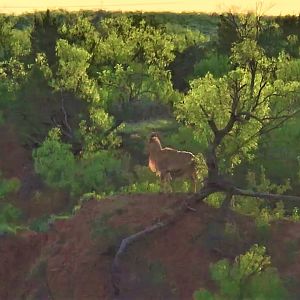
<point>97,109</point>
<point>73,260</point>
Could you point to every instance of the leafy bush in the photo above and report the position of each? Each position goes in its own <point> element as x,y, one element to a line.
<point>271,150</point>
<point>258,208</point>
<point>141,187</point>
<point>9,215</point>
<point>54,161</point>
<point>215,199</point>
<point>97,172</point>
<point>218,65</point>
<point>290,70</point>
<point>40,224</point>
<point>184,139</point>
<point>8,186</point>
<point>249,277</point>
<point>295,215</point>
<point>144,181</point>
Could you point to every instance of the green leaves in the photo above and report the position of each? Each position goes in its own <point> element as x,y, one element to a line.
<point>249,277</point>
<point>72,71</point>
<point>14,43</point>
<point>211,99</point>
<point>55,161</point>
<point>8,186</point>
<point>246,53</point>
<point>98,171</point>
<point>123,42</point>
<point>100,133</point>
<point>216,64</point>
<point>233,111</point>
<point>9,215</point>
<point>81,32</point>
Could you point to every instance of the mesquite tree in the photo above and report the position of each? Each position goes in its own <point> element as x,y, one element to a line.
<point>230,114</point>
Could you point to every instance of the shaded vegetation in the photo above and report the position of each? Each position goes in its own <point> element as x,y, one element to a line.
<point>84,90</point>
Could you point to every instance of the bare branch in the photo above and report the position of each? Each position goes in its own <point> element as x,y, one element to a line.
<point>261,87</point>
<point>248,116</point>
<point>56,124</point>
<point>282,119</point>
<point>178,210</point>
<point>268,196</point>
<point>210,122</point>
<point>234,105</point>
<point>124,244</point>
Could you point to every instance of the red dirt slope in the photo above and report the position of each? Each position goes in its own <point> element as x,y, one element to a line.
<point>73,260</point>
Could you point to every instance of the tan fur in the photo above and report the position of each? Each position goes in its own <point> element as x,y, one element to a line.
<point>169,163</point>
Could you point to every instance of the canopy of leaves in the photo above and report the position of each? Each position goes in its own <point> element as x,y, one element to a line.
<point>234,28</point>
<point>13,42</point>
<point>241,105</point>
<point>132,56</point>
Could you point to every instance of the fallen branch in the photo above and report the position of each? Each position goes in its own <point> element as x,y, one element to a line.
<point>124,244</point>
<point>179,209</point>
<point>268,196</point>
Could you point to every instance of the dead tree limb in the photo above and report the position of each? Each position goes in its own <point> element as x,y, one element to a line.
<point>267,196</point>
<point>179,209</point>
<point>124,244</point>
<point>56,124</point>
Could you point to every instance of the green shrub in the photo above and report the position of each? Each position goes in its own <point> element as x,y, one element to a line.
<point>295,215</point>
<point>144,181</point>
<point>215,199</point>
<point>99,172</point>
<point>8,186</point>
<point>9,216</point>
<point>249,277</point>
<point>184,139</point>
<point>40,224</point>
<point>218,65</point>
<point>257,207</point>
<point>54,161</point>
